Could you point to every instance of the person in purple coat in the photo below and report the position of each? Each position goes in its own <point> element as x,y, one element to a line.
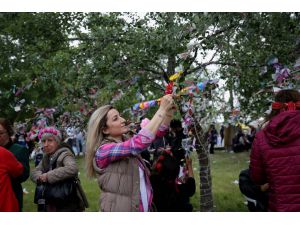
<point>275,155</point>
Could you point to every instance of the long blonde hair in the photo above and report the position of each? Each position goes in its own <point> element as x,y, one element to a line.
<point>95,136</point>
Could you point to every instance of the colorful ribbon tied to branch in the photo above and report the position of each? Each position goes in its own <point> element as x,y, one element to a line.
<point>146,105</point>
<point>175,76</point>
<point>170,87</point>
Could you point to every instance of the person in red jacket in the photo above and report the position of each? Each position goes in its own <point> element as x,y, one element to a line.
<point>275,155</point>
<point>9,168</point>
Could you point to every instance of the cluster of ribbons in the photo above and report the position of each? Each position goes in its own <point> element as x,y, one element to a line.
<point>282,72</point>
<point>172,87</point>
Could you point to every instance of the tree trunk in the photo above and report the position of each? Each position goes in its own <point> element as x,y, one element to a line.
<point>231,94</point>
<point>206,198</point>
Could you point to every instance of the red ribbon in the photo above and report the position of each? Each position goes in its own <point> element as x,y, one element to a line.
<point>169,88</point>
<point>290,106</point>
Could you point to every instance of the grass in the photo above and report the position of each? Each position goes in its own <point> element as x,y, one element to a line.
<point>225,171</point>
<point>225,168</point>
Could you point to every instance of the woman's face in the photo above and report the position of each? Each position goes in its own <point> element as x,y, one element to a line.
<point>50,145</point>
<point>4,136</point>
<point>115,125</point>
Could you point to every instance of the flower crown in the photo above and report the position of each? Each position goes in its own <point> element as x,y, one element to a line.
<point>50,130</point>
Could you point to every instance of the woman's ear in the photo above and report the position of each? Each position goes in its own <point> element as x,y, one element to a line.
<point>105,131</point>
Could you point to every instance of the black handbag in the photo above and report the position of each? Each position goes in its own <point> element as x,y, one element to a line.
<point>39,192</point>
<point>61,191</point>
<point>39,197</point>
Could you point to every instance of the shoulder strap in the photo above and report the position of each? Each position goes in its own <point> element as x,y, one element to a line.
<point>53,164</point>
<point>81,192</point>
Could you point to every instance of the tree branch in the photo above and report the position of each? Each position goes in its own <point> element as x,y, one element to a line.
<point>221,31</point>
<point>191,61</point>
<point>203,65</point>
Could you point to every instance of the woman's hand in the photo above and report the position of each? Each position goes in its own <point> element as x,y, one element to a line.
<point>161,115</point>
<point>167,103</point>
<point>168,107</point>
<point>43,178</point>
<point>264,187</point>
<point>189,167</point>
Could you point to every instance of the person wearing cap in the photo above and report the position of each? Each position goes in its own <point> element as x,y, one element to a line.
<point>275,154</point>
<point>22,155</point>
<point>58,164</point>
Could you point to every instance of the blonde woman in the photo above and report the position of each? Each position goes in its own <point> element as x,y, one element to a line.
<point>122,175</point>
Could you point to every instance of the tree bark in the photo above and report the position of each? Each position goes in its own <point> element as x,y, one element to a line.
<point>206,197</point>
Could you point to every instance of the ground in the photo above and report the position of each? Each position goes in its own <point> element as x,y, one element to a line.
<point>225,171</point>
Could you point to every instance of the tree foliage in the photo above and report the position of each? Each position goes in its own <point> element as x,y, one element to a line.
<point>36,60</point>
<point>38,48</point>
<point>78,61</point>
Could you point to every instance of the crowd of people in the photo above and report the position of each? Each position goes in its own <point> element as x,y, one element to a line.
<point>232,138</point>
<point>148,169</point>
<point>73,135</point>
<point>112,154</point>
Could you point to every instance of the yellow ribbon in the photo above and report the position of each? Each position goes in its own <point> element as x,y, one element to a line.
<point>175,76</point>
